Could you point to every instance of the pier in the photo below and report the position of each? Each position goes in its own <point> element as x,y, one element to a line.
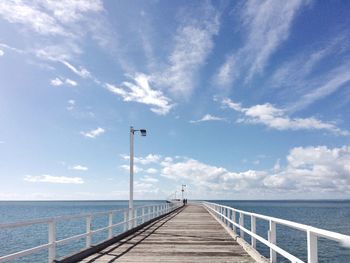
<point>189,234</point>
<point>171,232</point>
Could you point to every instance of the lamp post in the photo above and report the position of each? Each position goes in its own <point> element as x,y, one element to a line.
<point>143,132</point>
<point>183,190</point>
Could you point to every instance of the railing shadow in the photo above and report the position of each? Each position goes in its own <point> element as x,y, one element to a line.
<point>127,241</point>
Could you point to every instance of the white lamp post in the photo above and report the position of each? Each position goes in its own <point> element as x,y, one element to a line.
<point>183,190</point>
<point>143,132</point>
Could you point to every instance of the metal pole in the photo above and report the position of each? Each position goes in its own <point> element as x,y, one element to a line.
<point>131,197</point>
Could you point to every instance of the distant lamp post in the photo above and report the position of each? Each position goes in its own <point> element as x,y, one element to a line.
<point>183,190</point>
<point>143,132</point>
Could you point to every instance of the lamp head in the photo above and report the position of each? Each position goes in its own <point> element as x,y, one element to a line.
<point>143,132</point>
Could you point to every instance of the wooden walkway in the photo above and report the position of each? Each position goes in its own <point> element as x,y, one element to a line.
<point>188,235</point>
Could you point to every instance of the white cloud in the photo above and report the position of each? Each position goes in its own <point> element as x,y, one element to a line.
<point>208,117</point>
<point>2,142</point>
<point>71,82</point>
<point>315,169</point>
<point>149,179</point>
<point>268,25</point>
<point>71,105</point>
<point>79,168</point>
<point>48,17</point>
<point>277,118</point>
<point>60,81</point>
<point>30,16</point>
<point>151,171</point>
<point>82,72</point>
<point>140,91</point>
<point>137,169</point>
<point>67,11</point>
<point>150,158</point>
<point>193,44</point>
<point>56,82</point>
<point>210,177</point>
<point>310,171</point>
<point>226,73</point>
<point>300,73</point>
<point>1,53</point>
<point>319,171</point>
<point>53,179</point>
<point>93,133</point>
<point>336,79</point>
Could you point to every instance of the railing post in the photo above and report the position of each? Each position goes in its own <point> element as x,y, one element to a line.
<point>272,239</point>
<point>135,218</point>
<point>312,255</point>
<point>125,220</point>
<point>130,218</point>
<point>241,223</point>
<point>233,216</point>
<point>52,241</point>
<point>253,230</point>
<point>110,223</point>
<point>143,215</point>
<point>88,231</point>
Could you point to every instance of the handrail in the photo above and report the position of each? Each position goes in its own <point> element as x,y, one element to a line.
<point>228,216</point>
<point>130,221</point>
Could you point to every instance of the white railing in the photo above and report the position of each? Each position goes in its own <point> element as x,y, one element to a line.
<point>235,218</point>
<point>131,219</point>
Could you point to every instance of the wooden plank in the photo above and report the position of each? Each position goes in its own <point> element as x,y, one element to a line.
<point>190,235</point>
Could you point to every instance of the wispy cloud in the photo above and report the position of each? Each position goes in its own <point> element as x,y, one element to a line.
<point>1,53</point>
<point>82,72</point>
<point>71,105</point>
<point>53,179</point>
<point>193,43</point>
<point>140,91</point>
<point>59,27</point>
<point>48,17</point>
<point>148,159</point>
<point>30,16</point>
<point>276,118</point>
<point>268,25</point>
<point>93,133</point>
<point>301,73</point>
<point>335,80</point>
<point>208,117</point>
<point>79,167</point>
<point>60,81</point>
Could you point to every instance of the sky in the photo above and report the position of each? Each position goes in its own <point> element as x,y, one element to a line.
<point>240,99</point>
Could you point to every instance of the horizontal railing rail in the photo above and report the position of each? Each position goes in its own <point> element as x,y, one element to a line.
<point>131,219</point>
<point>228,216</point>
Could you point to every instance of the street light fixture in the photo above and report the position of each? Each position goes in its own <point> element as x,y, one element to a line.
<point>143,132</point>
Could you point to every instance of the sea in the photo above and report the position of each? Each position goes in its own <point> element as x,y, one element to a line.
<point>333,215</point>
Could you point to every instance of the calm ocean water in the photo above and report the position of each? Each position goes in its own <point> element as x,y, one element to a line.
<point>330,215</point>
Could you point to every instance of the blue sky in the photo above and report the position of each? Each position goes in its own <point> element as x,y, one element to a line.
<point>241,99</point>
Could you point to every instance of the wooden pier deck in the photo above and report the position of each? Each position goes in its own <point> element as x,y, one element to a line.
<point>190,234</point>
